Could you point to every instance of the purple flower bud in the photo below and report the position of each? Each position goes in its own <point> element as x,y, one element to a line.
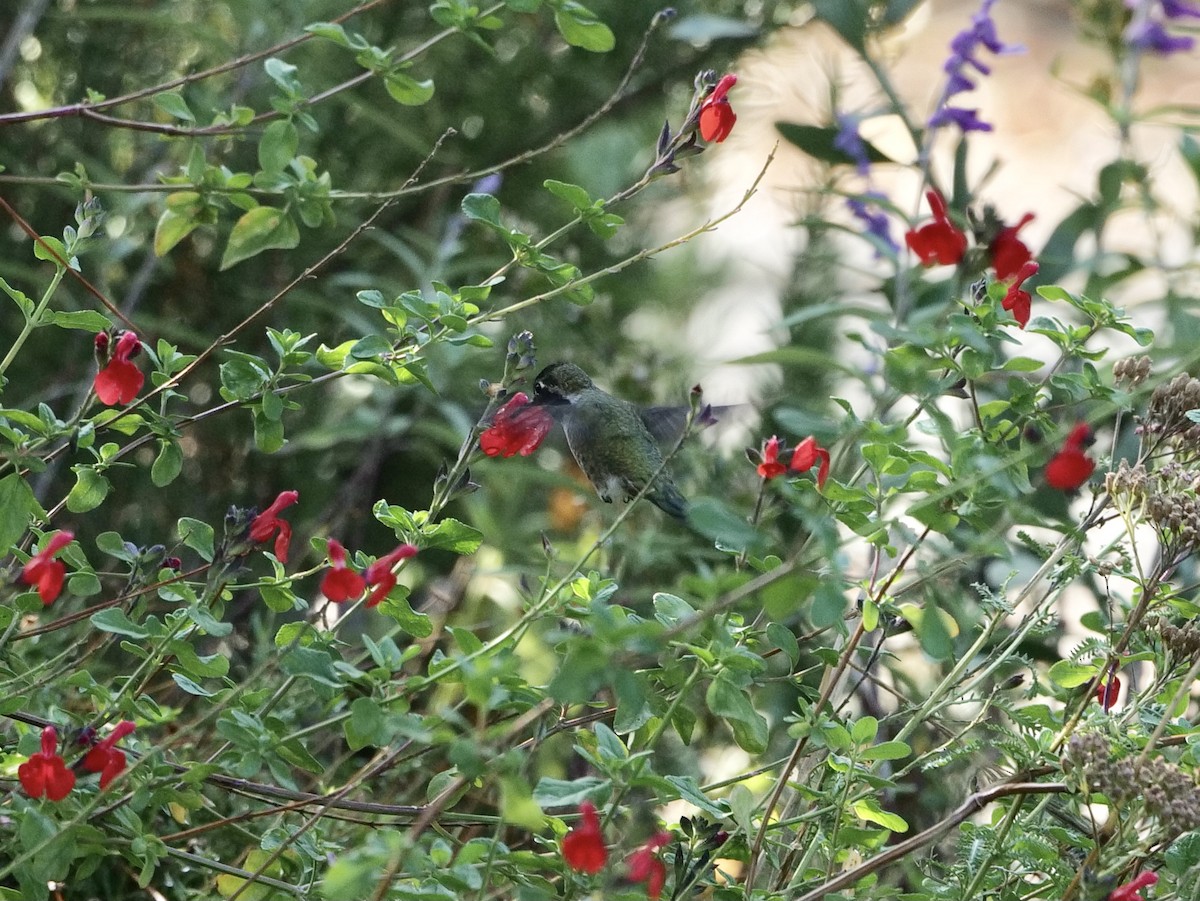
<point>1152,37</point>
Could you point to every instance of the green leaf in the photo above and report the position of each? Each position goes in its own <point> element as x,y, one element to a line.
<point>717,520</point>
<point>279,599</point>
<point>407,90</point>
<point>1184,853</point>
<point>330,31</point>
<point>869,810</point>
<point>864,730</point>
<point>671,610</point>
<point>396,606</point>
<point>310,663</point>
<point>633,706</point>
<point>690,791</point>
<point>229,884</point>
<point>517,805</point>
<point>572,194</point>
<point>482,208</point>
<point>172,228</point>
<point>268,433</point>
<point>886,750</point>
<point>567,792</point>
<point>278,146</point>
<point>192,688</point>
<point>114,545</point>
<point>168,463</point>
<point>263,228</point>
<point>173,104</point>
<point>817,142</point>
<point>580,28</point>
<point>197,535</point>
<point>115,621</point>
<point>84,320</point>
<point>45,244</point>
<point>847,17</point>
<point>452,535</point>
<point>17,507</point>
<point>727,700</point>
<point>785,639</point>
<point>213,666</point>
<point>89,491</point>
<point>366,725</point>
<point>26,305</point>
<point>1072,675</point>
<point>209,623</point>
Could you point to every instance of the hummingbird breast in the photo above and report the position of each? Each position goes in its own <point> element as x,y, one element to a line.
<point>615,450</point>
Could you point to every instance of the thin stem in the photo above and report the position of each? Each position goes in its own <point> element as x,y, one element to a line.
<point>33,320</point>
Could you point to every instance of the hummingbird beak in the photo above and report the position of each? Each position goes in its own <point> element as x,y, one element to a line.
<point>548,399</point>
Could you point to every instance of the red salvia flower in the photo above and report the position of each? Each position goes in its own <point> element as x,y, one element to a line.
<point>583,847</point>
<point>770,467</point>
<point>806,455</point>
<point>1071,467</point>
<point>1107,691</point>
<point>646,866</point>
<point>717,117</point>
<point>380,575</point>
<point>517,428</point>
<point>1008,252</point>
<point>341,583</point>
<point>1129,891</point>
<point>106,759</point>
<point>268,523</point>
<point>939,241</point>
<point>1017,300</point>
<point>45,773</point>
<point>44,571</point>
<point>120,381</point>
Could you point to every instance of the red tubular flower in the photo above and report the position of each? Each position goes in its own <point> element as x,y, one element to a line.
<point>341,583</point>
<point>104,758</point>
<point>583,847</point>
<point>45,773</point>
<point>1017,300</point>
<point>517,428</point>
<point>1071,467</point>
<point>1008,252</point>
<point>1107,691</point>
<point>1129,891</point>
<point>770,467</point>
<point>268,522</point>
<point>120,381</point>
<point>646,866</point>
<point>939,241</point>
<point>380,575</point>
<point>716,115</point>
<point>44,571</point>
<point>806,455</point>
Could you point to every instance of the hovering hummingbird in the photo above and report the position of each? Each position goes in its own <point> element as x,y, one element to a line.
<point>614,442</point>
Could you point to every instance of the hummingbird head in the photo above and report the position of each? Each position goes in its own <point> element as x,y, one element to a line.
<point>558,382</point>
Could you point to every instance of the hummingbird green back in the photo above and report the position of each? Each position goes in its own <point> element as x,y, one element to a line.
<point>608,437</point>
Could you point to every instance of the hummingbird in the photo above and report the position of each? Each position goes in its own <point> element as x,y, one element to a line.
<point>614,441</point>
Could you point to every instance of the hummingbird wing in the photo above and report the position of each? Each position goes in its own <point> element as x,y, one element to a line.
<point>666,424</point>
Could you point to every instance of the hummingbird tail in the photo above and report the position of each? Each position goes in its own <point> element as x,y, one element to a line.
<point>671,502</point>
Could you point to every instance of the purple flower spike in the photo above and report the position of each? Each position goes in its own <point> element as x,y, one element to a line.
<point>875,221</point>
<point>1152,37</point>
<point>965,119</point>
<point>850,142</point>
<point>1178,9</point>
<point>964,48</point>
